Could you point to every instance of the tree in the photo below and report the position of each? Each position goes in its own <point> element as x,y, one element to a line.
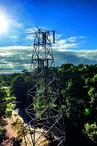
<point>90,130</point>
<point>7,105</point>
<point>20,86</point>
<point>1,82</point>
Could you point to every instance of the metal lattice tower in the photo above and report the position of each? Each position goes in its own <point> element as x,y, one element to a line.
<point>49,115</point>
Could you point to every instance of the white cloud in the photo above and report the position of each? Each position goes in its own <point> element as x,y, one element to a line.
<point>16,24</point>
<point>31,30</point>
<point>4,54</point>
<point>30,37</point>
<point>58,36</point>
<point>63,45</point>
<point>17,58</point>
<point>72,39</point>
<point>87,54</point>
<point>68,43</point>
<point>75,39</point>
<point>81,37</point>
<point>12,48</point>
<point>14,37</point>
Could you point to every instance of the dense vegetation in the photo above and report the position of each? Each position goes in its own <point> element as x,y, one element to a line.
<point>78,91</point>
<point>7,105</point>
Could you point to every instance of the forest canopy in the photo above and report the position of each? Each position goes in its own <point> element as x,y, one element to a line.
<point>78,91</point>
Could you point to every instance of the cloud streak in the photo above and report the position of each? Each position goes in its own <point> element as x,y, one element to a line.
<point>18,58</point>
<point>68,43</point>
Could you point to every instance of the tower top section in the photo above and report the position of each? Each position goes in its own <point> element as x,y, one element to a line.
<point>42,54</point>
<point>45,37</point>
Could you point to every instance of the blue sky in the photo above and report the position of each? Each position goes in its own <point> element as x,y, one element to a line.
<point>74,20</point>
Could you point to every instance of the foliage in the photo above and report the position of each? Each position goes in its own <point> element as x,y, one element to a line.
<point>91,131</point>
<point>20,85</point>
<point>43,102</point>
<point>77,88</point>
<point>2,130</point>
<point>7,104</point>
<point>1,82</point>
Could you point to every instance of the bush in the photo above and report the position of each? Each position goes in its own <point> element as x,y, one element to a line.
<point>91,131</point>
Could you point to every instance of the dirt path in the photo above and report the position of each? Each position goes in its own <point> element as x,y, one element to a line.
<point>8,129</point>
<point>12,131</point>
